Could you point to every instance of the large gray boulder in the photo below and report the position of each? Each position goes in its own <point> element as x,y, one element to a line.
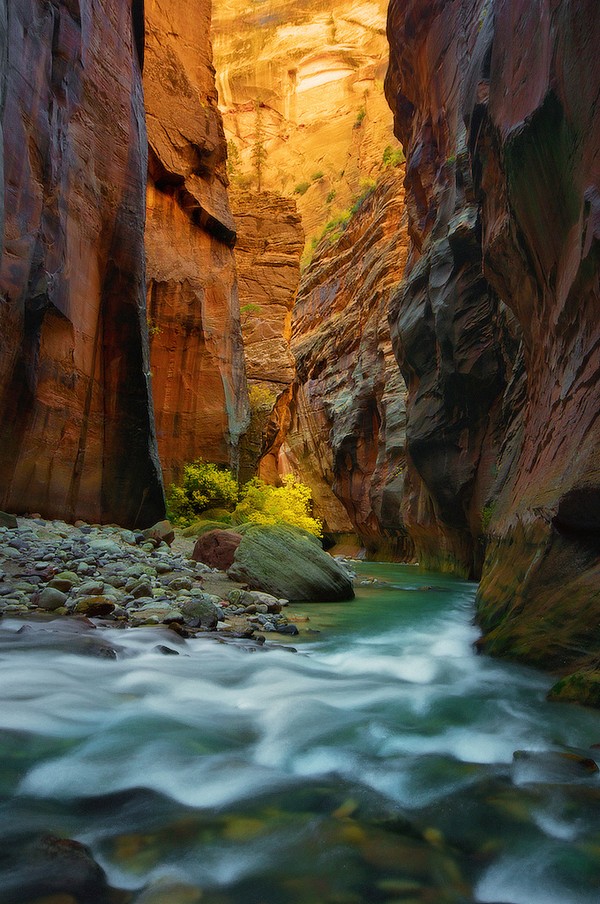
<point>288,562</point>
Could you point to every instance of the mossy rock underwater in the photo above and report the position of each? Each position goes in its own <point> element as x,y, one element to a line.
<point>289,562</point>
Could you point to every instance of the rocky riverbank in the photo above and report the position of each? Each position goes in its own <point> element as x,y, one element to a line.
<point>129,579</point>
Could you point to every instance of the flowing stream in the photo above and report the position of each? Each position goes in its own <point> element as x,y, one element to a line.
<point>375,764</point>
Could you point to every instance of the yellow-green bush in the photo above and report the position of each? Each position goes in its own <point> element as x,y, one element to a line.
<point>287,504</point>
<point>204,486</point>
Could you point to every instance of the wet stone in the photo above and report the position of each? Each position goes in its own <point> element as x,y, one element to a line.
<point>51,599</point>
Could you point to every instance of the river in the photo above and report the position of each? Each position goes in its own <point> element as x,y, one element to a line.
<point>375,764</point>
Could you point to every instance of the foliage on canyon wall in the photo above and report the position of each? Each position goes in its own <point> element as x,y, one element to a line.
<point>301,93</point>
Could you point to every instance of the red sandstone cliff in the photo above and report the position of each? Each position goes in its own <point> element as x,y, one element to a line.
<point>75,406</point>
<point>341,427</point>
<point>197,360</point>
<point>267,256</point>
<point>496,104</point>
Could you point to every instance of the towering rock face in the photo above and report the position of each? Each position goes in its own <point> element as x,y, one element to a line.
<point>448,329</point>
<point>197,359</point>
<point>342,425</point>
<point>267,256</point>
<point>75,404</point>
<point>496,103</point>
<point>300,89</point>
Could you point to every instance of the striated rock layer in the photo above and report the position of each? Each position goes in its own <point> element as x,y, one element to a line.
<point>75,404</point>
<point>267,256</point>
<point>197,359</point>
<point>496,103</point>
<point>342,424</point>
<point>449,330</point>
<point>300,89</point>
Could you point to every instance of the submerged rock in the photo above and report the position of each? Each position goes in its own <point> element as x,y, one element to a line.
<point>287,562</point>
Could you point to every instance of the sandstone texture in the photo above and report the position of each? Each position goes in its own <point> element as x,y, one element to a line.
<point>496,329</point>
<point>216,548</point>
<point>75,402</point>
<point>300,89</point>
<point>197,360</point>
<point>267,256</point>
<point>341,427</point>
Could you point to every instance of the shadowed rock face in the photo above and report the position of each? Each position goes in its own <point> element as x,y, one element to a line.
<point>342,424</point>
<point>78,437</point>
<point>199,381</point>
<point>496,103</point>
<point>449,331</point>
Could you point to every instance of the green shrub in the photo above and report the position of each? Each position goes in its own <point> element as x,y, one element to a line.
<point>359,118</point>
<point>288,504</point>
<point>367,187</point>
<point>331,195</point>
<point>393,156</point>
<point>487,513</point>
<point>261,398</point>
<point>301,188</point>
<point>204,486</point>
<point>318,175</point>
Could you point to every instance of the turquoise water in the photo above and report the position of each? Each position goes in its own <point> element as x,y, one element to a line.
<point>375,764</point>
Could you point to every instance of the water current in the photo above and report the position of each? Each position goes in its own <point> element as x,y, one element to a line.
<point>374,764</point>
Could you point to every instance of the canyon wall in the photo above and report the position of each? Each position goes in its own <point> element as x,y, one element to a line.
<point>301,93</point>
<point>267,255</point>
<point>75,403</point>
<point>197,358</point>
<point>341,426</point>
<point>496,328</point>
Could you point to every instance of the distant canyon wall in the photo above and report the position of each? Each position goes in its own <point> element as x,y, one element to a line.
<point>75,401</point>
<point>267,254</point>
<point>496,328</point>
<point>301,84</point>
<point>341,426</point>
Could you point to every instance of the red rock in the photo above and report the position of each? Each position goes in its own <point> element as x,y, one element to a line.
<point>497,327</point>
<point>267,256</point>
<point>74,394</point>
<point>197,361</point>
<point>217,548</point>
<point>342,424</point>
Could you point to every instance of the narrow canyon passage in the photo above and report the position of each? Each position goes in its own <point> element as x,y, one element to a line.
<point>384,761</point>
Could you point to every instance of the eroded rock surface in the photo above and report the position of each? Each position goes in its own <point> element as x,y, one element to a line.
<point>302,83</point>
<point>197,361</point>
<point>341,426</point>
<point>267,256</point>
<point>78,436</point>
<point>496,329</point>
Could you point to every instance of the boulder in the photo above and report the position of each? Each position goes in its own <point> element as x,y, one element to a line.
<point>287,562</point>
<point>51,599</point>
<point>7,520</point>
<point>217,548</point>
<point>161,531</point>
<point>200,612</point>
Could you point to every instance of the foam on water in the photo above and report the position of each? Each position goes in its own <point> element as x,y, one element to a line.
<point>397,707</point>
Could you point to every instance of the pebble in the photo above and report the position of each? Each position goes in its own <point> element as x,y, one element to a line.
<point>125,577</point>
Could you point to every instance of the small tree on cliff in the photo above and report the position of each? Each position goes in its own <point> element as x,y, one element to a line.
<point>259,153</point>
